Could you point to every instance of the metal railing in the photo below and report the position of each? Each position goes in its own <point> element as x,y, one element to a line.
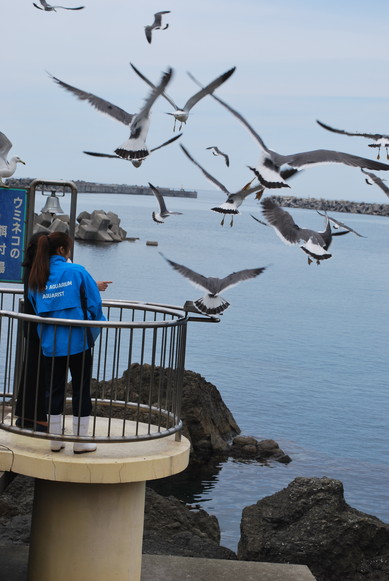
<point>137,370</point>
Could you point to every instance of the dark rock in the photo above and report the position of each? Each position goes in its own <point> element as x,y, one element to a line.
<point>208,423</point>
<point>260,450</point>
<point>310,523</point>
<point>173,529</point>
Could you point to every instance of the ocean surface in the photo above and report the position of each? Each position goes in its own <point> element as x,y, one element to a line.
<point>300,356</point>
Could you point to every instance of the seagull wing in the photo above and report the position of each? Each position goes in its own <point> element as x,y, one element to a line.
<point>195,278</point>
<point>36,6</point>
<point>207,175</point>
<point>353,133</point>
<point>236,277</point>
<point>100,104</point>
<point>158,18</point>
<point>148,33</point>
<point>258,220</point>
<point>156,91</point>
<point>68,8</point>
<point>166,142</point>
<point>95,154</point>
<point>322,156</point>
<point>378,181</point>
<point>281,221</point>
<point>146,80</point>
<point>5,146</point>
<point>207,90</point>
<point>237,115</point>
<point>160,199</point>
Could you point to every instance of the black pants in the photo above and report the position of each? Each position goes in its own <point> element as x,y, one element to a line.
<point>31,400</point>
<point>56,368</point>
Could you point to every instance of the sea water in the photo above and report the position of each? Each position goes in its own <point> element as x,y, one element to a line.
<point>300,356</point>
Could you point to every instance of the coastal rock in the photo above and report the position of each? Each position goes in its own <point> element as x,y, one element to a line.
<point>171,528</point>
<point>207,422</point>
<point>260,450</point>
<point>310,523</point>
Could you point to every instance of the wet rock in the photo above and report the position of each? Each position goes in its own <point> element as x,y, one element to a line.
<point>310,523</point>
<point>171,528</point>
<point>260,450</point>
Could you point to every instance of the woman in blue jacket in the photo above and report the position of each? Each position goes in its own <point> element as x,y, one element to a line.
<point>65,290</point>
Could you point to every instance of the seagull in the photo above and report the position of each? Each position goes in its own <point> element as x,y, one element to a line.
<point>157,24</point>
<point>134,148</point>
<point>380,140</point>
<point>315,244</point>
<point>7,168</point>
<point>50,8</point>
<point>268,169</point>
<point>376,180</point>
<point>338,224</point>
<point>163,211</point>
<point>234,201</point>
<point>135,162</point>
<point>181,114</point>
<point>212,303</point>
<point>216,151</point>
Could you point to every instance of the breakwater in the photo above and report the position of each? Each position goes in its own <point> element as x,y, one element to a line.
<point>84,187</point>
<point>333,205</point>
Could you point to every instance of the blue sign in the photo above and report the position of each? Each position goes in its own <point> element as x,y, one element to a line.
<point>13,208</point>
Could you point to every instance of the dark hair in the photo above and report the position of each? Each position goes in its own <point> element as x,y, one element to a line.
<point>46,246</point>
<point>30,252</point>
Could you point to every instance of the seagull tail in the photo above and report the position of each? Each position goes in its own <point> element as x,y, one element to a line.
<point>316,256</point>
<point>132,153</point>
<point>211,305</point>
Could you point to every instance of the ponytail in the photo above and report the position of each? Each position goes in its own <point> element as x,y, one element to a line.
<point>47,246</point>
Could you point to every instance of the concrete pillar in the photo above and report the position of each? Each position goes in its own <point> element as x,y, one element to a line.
<point>86,532</point>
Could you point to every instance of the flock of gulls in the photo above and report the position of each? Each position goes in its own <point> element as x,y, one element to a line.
<point>272,171</point>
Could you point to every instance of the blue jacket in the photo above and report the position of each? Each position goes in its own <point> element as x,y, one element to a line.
<point>70,293</point>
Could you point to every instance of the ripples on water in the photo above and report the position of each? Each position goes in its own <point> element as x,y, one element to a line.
<point>301,356</point>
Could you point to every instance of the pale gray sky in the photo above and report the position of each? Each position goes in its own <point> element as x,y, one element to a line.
<point>295,62</point>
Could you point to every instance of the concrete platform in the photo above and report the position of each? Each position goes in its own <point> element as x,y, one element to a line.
<point>112,463</point>
<point>13,567</point>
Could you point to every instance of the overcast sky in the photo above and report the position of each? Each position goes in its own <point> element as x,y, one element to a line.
<point>296,61</point>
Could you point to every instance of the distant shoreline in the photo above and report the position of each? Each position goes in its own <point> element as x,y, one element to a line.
<point>345,206</point>
<point>99,188</point>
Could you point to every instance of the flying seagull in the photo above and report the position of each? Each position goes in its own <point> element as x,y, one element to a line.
<point>181,114</point>
<point>7,168</point>
<point>379,139</point>
<point>338,224</point>
<point>157,24</point>
<point>135,162</point>
<point>375,180</point>
<point>313,243</point>
<point>212,303</point>
<point>50,8</point>
<point>216,151</point>
<point>134,148</point>
<point>234,201</point>
<point>268,169</point>
<point>163,211</point>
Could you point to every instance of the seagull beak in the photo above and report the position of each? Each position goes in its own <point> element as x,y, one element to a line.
<point>21,161</point>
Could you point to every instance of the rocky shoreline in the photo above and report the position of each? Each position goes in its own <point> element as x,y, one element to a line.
<point>308,522</point>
